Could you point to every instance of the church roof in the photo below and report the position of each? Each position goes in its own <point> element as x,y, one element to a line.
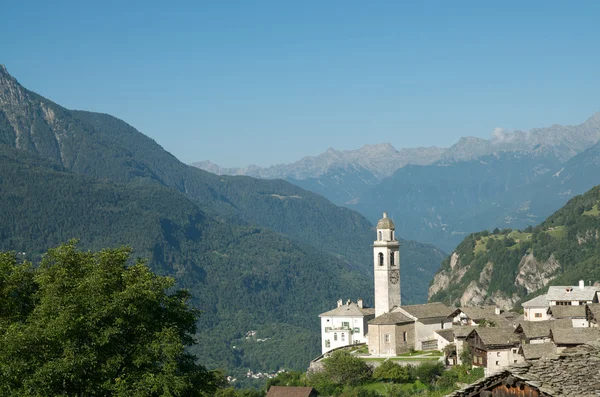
<point>349,310</point>
<point>385,223</point>
<point>391,318</point>
<point>428,310</point>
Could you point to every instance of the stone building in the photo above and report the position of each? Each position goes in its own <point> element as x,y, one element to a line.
<point>572,373</point>
<point>494,348</point>
<point>409,327</point>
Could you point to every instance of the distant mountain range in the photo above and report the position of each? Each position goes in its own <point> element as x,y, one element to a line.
<point>262,255</point>
<point>440,195</point>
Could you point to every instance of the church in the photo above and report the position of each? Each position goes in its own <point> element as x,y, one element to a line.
<point>389,328</point>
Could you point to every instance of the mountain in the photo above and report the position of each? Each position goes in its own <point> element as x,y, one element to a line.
<point>241,277</point>
<point>559,141</point>
<point>505,181</point>
<point>444,202</point>
<point>250,250</point>
<point>506,266</point>
<point>340,176</point>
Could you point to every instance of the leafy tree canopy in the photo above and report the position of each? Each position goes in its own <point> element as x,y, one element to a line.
<point>87,324</point>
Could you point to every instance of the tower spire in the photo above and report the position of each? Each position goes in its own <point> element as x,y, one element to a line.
<point>386,262</point>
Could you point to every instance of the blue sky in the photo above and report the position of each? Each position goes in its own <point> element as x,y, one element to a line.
<point>266,82</point>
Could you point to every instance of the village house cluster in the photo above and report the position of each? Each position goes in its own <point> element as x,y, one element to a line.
<point>565,317</point>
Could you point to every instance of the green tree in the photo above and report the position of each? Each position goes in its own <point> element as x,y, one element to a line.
<point>390,372</point>
<point>87,324</point>
<point>345,369</point>
<point>429,372</point>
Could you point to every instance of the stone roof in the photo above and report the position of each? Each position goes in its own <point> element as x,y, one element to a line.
<point>569,293</point>
<point>538,301</point>
<point>574,336</point>
<point>573,373</point>
<point>427,310</point>
<point>534,351</point>
<point>593,311</point>
<point>479,312</point>
<point>487,313</point>
<point>349,310</point>
<point>461,331</point>
<point>290,391</point>
<point>447,334</point>
<point>385,223</point>
<point>577,311</point>
<point>391,318</point>
<point>541,329</point>
<point>497,336</point>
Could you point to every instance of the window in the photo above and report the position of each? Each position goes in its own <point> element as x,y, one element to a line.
<point>515,361</point>
<point>497,362</point>
<point>386,338</point>
<point>345,324</point>
<point>356,330</point>
<point>335,336</point>
<point>381,259</point>
<point>343,336</point>
<point>327,343</point>
<point>391,259</point>
<point>380,236</point>
<point>405,336</point>
<point>392,235</point>
<point>538,315</point>
<point>498,354</point>
<point>442,324</point>
<point>514,351</point>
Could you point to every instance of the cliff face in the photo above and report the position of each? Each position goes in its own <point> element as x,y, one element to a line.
<point>531,276</point>
<point>505,266</point>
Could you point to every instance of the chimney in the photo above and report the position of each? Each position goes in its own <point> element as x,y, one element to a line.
<point>339,303</point>
<point>359,302</point>
<point>497,310</point>
<point>348,302</point>
<point>385,214</point>
<point>581,284</point>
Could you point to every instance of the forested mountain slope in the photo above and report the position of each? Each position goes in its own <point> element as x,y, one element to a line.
<point>505,266</point>
<point>257,255</point>
<point>241,277</point>
<point>105,147</point>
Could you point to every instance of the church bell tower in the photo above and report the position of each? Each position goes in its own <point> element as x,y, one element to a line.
<point>386,261</point>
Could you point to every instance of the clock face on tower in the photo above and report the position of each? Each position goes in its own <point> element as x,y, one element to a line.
<point>394,276</point>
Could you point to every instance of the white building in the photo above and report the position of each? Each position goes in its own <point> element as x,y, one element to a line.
<point>345,325</point>
<point>536,309</point>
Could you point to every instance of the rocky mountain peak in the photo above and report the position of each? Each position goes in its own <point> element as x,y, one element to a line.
<point>11,92</point>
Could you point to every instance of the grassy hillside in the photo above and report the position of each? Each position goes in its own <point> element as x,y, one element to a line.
<point>566,246</point>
